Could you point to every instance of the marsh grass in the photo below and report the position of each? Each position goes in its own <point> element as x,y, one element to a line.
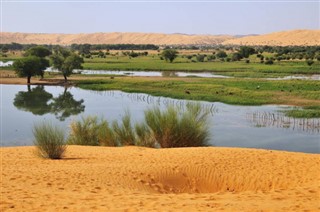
<point>144,136</point>
<point>49,140</point>
<point>91,131</point>
<point>124,132</point>
<point>305,112</point>
<point>174,127</point>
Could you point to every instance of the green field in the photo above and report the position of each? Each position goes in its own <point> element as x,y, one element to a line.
<point>231,91</point>
<point>238,69</point>
<point>153,62</point>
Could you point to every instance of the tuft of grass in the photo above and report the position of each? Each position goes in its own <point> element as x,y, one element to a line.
<point>92,132</point>
<point>176,128</point>
<point>49,140</point>
<point>144,136</point>
<point>124,133</point>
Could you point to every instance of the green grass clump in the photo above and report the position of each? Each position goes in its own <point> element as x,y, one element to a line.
<point>124,133</point>
<point>92,132</point>
<point>49,140</point>
<point>306,112</point>
<point>176,128</point>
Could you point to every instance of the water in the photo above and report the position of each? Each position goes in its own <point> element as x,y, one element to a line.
<point>230,126</point>
<point>147,73</point>
<point>202,74</point>
<point>6,64</point>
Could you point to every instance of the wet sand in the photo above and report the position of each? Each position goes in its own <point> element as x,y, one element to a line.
<point>143,179</point>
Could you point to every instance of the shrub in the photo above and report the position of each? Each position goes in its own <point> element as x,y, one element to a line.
<point>90,131</point>
<point>200,58</point>
<point>144,136</point>
<point>49,140</point>
<point>310,62</point>
<point>269,62</point>
<point>176,128</point>
<point>124,134</point>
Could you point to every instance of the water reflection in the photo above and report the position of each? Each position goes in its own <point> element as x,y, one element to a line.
<point>279,120</point>
<point>35,100</point>
<point>40,102</point>
<point>154,100</point>
<point>65,105</point>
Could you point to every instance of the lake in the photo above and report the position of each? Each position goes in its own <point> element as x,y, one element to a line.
<point>230,126</point>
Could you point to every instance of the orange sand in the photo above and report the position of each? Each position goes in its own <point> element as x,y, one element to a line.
<point>285,38</point>
<point>143,179</point>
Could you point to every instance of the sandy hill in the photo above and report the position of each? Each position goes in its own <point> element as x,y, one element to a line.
<point>285,38</point>
<point>145,179</point>
<point>113,38</point>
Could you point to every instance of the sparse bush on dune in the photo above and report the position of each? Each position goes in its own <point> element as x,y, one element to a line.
<point>144,136</point>
<point>176,128</point>
<point>91,131</point>
<point>124,133</point>
<point>172,127</point>
<point>49,140</point>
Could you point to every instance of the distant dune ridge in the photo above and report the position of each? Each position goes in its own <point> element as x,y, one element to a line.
<point>113,38</point>
<point>285,38</point>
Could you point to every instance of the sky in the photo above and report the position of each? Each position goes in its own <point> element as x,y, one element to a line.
<point>234,17</point>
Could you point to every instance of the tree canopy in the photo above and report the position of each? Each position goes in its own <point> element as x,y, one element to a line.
<point>30,66</point>
<point>38,51</point>
<point>65,61</point>
<point>169,54</point>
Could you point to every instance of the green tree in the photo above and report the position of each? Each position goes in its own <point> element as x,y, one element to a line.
<point>200,57</point>
<point>169,54</point>
<point>38,51</point>
<point>310,62</point>
<point>41,52</point>
<point>221,54</point>
<point>236,56</point>
<point>246,51</point>
<point>30,66</point>
<point>66,61</point>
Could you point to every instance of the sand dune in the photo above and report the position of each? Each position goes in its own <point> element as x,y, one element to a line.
<point>112,38</point>
<point>286,38</point>
<point>294,37</point>
<point>143,179</point>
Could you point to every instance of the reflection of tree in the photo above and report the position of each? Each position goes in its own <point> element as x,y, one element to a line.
<point>35,100</point>
<point>39,102</point>
<point>65,105</point>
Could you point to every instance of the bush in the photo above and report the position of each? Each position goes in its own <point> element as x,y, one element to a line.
<point>176,128</point>
<point>144,136</point>
<point>124,134</point>
<point>90,131</point>
<point>49,140</point>
<point>200,58</point>
<point>269,62</point>
<point>310,62</point>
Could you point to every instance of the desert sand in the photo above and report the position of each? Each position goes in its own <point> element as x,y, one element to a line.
<point>144,179</point>
<point>285,38</point>
<point>112,38</point>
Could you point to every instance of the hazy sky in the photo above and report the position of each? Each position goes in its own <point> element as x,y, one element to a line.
<point>164,16</point>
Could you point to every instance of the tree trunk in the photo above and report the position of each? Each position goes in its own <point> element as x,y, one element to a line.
<point>29,77</point>
<point>65,78</point>
<point>29,88</point>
